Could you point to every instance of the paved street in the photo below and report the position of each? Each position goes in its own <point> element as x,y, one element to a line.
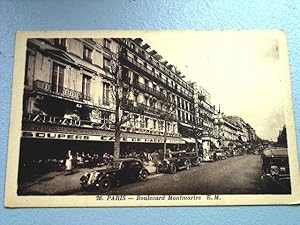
<point>236,175</point>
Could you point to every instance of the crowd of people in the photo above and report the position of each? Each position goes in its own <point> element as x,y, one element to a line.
<point>86,160</point>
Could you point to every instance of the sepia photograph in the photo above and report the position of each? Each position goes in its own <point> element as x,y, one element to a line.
<point>149,117</point>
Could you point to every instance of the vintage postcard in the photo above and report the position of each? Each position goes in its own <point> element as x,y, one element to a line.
<point>151,118</point>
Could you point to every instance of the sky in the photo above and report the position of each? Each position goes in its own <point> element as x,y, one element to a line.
<point>241,70</point>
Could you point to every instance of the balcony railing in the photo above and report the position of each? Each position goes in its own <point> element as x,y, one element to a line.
<point>149,90</point>
<point>87,98</point>
<point>153,74</point>
<point>143,108</point>
<point>60,91</point>
<point>147,58</point>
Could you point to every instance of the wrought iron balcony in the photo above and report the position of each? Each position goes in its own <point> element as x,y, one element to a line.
<point>87,98</point>
<point>152,75</point>
<point>60,91</point>
<point>150,90</point>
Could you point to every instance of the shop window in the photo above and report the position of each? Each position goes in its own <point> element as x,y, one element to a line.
<point>58,72</point>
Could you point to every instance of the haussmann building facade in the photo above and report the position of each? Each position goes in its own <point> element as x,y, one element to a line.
<point>68,101</point>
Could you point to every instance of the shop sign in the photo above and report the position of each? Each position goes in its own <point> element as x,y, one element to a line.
<point>51,135</point>
<point>52,120</point>
<point>83,137</point>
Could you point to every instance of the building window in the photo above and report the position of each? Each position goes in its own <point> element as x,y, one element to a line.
<point>132,46</point>
<point>125,75</point>
<point>107,43</point>
<point>154,87</point>
<point>105,94</point>
<point>136,98</point>
<point>145,64</point>
<point>58,72</point>
<point>146,122</point>
<point>135,58</point>
<point>87,53</point>
<point>155,124</point>
<point>146,83</point>
<point>146,100</point>
<point>86,87</point>
<point>105,117</point>
<point>135,78</point>
<point>106,64</point>
<point>60,43</point>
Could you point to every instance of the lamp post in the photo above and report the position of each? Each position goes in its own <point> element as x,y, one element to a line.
<point>219,121</point>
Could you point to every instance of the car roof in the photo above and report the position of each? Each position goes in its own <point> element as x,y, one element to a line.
<point>275,152</point>
<point>128,159</point>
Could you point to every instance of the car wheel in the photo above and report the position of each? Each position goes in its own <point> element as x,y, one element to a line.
<point>105,184</point>
<point>144,175</point>
<point>83,188</point>
<point>197,162</point>
<point>173,169</point>
<point>157,170</point>
<point>187,165</point>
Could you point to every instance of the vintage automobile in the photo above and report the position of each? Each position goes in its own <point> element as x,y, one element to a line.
<point>174,162</point>
<point>220,154</point>
<point>193,157</point>
<point>117,172</point>
<point>275,170</point>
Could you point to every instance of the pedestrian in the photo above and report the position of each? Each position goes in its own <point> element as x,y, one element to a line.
<point>69,160</point>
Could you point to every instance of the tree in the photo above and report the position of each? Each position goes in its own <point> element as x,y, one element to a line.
<point>196,133</point>
<point>167,114</point>
<point>120,92</point>
<point>282,139</point>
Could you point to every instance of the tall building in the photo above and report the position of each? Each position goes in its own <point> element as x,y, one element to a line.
<point>69,100</point>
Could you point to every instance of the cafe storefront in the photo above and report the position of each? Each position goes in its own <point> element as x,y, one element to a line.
<point>45,137</point>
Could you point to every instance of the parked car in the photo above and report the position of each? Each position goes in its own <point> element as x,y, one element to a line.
<point>174,162</point>
<point>220,154</point>
<point>193,157</point>
<point>275,170</point>
<point>117,173</point>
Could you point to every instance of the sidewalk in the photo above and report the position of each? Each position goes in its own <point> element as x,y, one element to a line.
<point>60,183</point>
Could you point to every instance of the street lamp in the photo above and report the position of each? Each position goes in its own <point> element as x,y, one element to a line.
<point>218,122</point>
